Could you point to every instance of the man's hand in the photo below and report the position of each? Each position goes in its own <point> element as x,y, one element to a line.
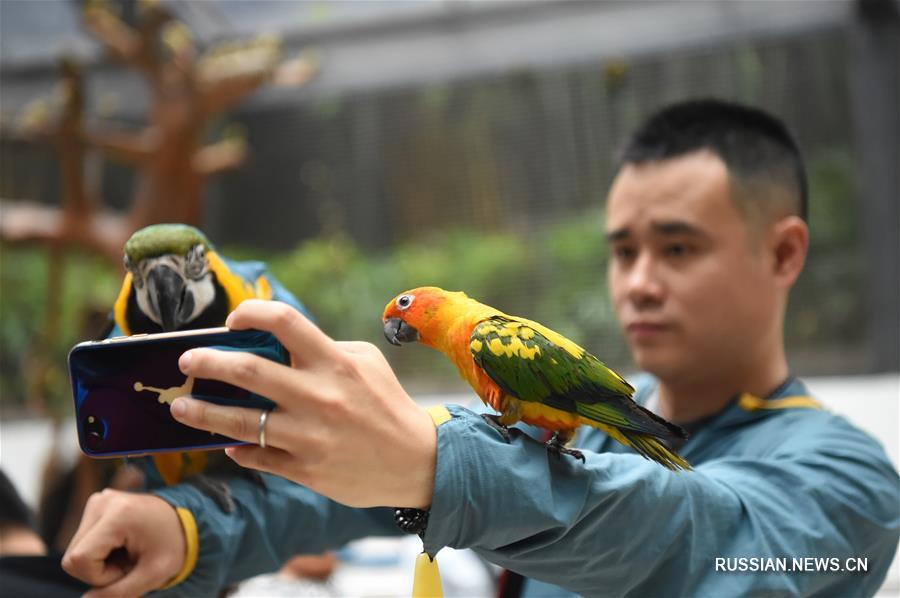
<point>344,426</point>
<point>126,545</point>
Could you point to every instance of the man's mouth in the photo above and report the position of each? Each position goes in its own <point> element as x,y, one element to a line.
<point>646,330</point>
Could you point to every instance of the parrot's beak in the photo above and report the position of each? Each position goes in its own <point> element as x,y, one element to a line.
<point>168,296</point>
<point>397,332</point>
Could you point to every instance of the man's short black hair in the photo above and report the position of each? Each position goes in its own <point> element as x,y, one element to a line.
<point>755,146</point>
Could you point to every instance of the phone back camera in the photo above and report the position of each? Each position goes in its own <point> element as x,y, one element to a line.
<point>95,431</point>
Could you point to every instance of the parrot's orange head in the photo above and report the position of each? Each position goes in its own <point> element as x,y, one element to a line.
<point>421,315</point>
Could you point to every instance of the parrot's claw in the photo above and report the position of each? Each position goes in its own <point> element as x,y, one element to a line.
<point>555,447</point>
<point>494,422</point>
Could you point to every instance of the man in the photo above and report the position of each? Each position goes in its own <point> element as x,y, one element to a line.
<point>706,226</point>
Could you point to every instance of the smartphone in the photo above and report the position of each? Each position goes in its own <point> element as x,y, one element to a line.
<point>123,388</point>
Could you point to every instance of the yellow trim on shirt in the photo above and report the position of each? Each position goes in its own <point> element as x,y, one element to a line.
<point>192,540</point>
<point>749,402</point>
<point>439,414</point>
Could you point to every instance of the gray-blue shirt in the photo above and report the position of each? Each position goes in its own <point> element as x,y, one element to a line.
<point>776,482</point>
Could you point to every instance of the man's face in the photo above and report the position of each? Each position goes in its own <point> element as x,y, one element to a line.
<point>691,285</point>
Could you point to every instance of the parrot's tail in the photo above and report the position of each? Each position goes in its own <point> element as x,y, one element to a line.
<point>653,448</point>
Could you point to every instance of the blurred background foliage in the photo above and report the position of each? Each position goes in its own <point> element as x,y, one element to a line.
<point>554,273</point>
<point>483,171</point>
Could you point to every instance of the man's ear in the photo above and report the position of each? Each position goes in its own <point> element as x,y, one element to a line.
<point>788,243</point>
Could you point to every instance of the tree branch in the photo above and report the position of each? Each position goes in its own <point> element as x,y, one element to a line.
<point>222,155</point>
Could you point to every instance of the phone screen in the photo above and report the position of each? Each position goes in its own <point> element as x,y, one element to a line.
<point>123,390</point>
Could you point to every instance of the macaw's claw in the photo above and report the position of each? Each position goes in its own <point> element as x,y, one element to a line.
<point>555,447</point>
<point>494,422</point>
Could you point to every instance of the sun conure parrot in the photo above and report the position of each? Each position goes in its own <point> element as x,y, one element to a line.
<point>527,372</point>
<point>175,280</point>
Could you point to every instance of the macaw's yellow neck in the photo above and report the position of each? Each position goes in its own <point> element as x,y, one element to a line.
<point>236,288</point>
<point>120,309</point>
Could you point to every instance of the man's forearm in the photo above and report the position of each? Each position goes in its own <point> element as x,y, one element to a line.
<point>620,523</point>
<point>267,527</point>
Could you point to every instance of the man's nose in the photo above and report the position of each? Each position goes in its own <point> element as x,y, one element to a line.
<point>645,286</point>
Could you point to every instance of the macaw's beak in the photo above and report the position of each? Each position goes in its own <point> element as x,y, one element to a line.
<point>168,296</point>
<point>397,332</point>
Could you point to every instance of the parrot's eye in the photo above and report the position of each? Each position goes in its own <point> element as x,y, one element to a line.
<point>404,301</point>
<point>195,263</point>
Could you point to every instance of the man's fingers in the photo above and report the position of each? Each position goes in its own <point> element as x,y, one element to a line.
<point>239,423</point>
<point>91,559</point>
<point>357,347</point>
<point>143,578</point>
<point>364,350</point>
<point>272,460</point>
<point>251,372</point>
<point>303,339</point>
<point>93,510</point>
<point>133,547</point>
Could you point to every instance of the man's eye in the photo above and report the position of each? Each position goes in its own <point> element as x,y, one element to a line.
<point>624,253</point>
<point>676,250</point>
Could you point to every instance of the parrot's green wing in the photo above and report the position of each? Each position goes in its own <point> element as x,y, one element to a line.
<point>533,363</point>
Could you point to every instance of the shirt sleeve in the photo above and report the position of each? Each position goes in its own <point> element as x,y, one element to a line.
<point>624,525</point>
<point>267,527</point>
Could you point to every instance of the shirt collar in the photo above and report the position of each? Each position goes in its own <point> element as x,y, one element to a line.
<point>744,407</point>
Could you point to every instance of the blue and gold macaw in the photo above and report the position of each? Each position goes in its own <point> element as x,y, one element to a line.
<point>175,280</point>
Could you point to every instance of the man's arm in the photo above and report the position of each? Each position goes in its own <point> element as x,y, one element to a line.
<point>266,528</point>
<point>615,521</point>
<point>624,525</point>
<point>178,538</point>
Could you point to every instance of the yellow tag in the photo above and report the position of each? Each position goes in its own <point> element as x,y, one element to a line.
<point>427,580</point>
<point>439,414</point>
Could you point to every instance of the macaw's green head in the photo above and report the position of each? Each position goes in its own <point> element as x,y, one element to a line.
<point>170,273</point>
